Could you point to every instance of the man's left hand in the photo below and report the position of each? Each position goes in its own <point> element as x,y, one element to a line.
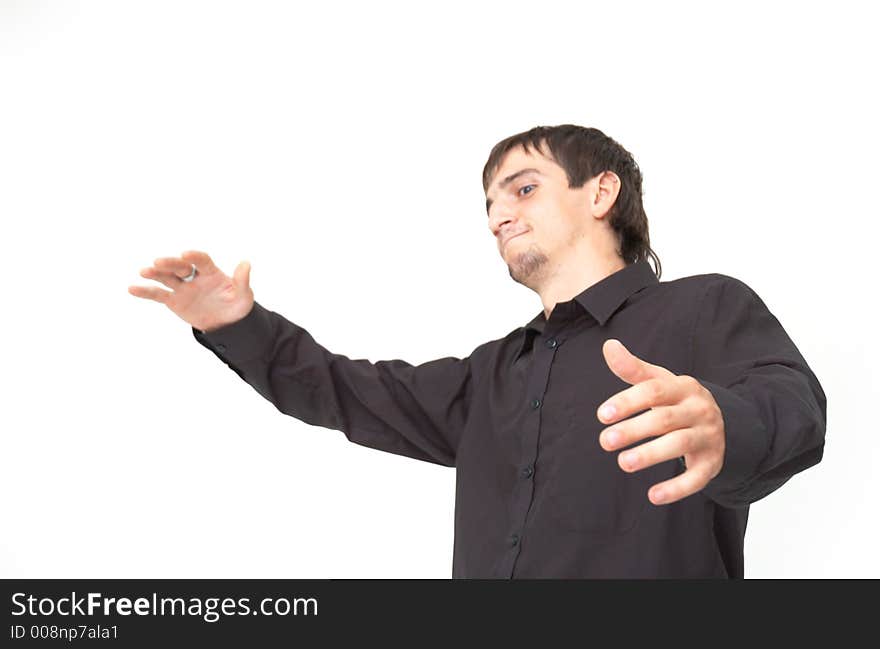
<point>682,413</point>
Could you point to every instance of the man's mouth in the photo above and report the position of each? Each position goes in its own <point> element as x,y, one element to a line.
<point>507,240</point>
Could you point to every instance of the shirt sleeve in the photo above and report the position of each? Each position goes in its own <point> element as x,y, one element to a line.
<point>773,406</point>
<point>418,411</point>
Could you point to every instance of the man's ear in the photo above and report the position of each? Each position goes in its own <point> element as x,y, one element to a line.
<point>605,188</point>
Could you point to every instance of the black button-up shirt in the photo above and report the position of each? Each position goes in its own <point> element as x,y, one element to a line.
<point>536,495</point>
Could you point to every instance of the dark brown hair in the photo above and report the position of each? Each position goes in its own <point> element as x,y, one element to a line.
<point>585,153</point>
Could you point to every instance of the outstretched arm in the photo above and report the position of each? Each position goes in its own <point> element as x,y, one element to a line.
<point>418,411</point>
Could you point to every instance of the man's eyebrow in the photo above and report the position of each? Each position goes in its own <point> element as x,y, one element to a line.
<point>504,183</point>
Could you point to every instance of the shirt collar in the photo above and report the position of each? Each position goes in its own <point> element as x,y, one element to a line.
<point>601,299</point>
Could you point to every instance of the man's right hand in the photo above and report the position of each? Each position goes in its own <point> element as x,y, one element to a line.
<point>208,302</point>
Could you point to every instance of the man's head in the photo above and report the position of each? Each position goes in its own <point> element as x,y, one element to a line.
<point>580,201</point>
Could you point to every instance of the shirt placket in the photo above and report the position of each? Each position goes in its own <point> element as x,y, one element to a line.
<point>543,353</point>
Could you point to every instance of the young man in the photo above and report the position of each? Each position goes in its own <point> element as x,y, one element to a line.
<point>623,432</point>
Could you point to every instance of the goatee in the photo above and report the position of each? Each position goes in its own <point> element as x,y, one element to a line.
<point>526,266</point>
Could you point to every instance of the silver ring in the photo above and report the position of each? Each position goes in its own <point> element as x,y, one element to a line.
<point>191,276</point>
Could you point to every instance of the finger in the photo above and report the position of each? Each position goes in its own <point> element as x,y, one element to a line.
<point>173,265</point>
<point>641,396</point>
<point>681,486</point>
<point>151,293</point>
<point>201,259</point>
<point>656,421</point>
<point>242,274</point>
<point>168,279</point>
<point>628,366</point>
<point>666,447</point>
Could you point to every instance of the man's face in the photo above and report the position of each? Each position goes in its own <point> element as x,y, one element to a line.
<point>539,223</point>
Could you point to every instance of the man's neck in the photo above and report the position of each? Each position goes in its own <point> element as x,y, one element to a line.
<point>563,287</point>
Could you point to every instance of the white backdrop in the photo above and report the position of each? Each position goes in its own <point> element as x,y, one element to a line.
<point>338,147</point>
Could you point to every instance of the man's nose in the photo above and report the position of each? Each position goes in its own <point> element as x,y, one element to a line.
<point>498,216</point>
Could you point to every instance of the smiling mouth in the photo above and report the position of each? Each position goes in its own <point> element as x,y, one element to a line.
<point>504,245</point>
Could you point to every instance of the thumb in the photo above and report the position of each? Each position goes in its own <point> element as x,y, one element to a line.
<point>628,366</point>
<point>242,274</point>
<point>621,361</point>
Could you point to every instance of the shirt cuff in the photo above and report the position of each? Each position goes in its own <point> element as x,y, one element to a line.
<point>243,340</point>
<point>746,443</point>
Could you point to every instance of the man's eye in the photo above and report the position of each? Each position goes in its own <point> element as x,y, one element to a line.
<point>524,187</point>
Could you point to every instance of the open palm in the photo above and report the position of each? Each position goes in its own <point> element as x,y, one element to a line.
<point>210,301</point>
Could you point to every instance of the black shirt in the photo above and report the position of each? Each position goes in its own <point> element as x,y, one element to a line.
<point>536,495</point>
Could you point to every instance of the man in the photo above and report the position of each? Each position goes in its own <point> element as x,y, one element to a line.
<point>710,406</point>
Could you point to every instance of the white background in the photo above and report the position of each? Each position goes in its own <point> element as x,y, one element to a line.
<point>338,147</point>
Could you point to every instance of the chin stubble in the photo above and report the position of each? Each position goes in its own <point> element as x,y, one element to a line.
<point>526,266</point>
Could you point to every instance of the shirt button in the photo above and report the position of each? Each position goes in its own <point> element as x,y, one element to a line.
<point>527,472</point>
<point>536,403</point>
<point>551,343</point>
<point>514,539</point>
<point>221,347</point>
